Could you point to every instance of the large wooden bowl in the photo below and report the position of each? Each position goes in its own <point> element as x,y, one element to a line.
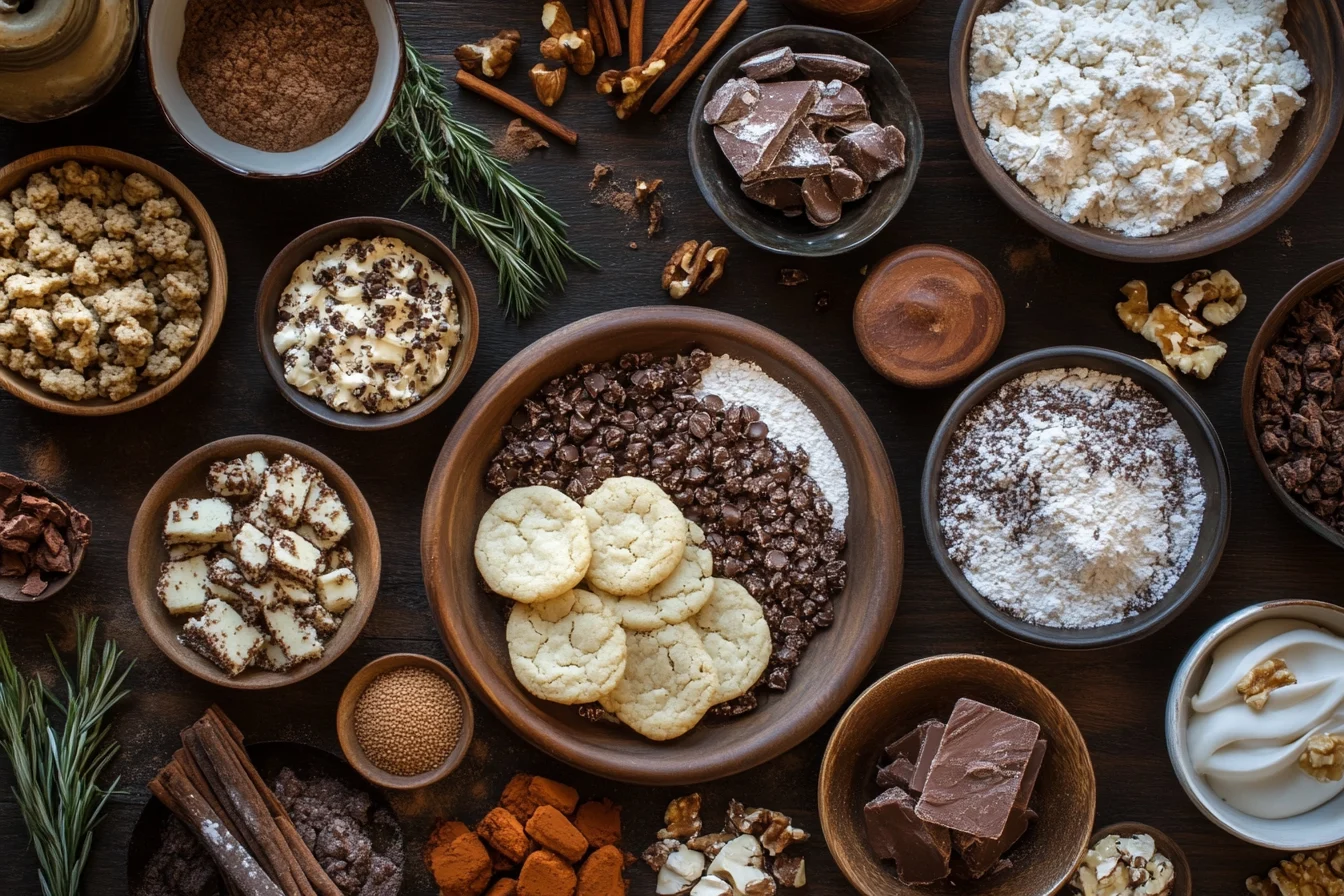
<point>472,620</point>
<point>1066,791</point>
<point>1316,32</point>
<point>186,479</point>
<point>212,306</point>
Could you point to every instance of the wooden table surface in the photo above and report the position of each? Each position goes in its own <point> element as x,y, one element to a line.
<point>1054,296</point>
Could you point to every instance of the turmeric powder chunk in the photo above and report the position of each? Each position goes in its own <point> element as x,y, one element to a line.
<point>599,822</point>
<point>552,793</point>
<point>505,833</point>
<point>505,886</point>
<point>518,799</point>
<point>600,874</point>
<point>460,868</point>
<point>553,831</point>
<point>546,874</point>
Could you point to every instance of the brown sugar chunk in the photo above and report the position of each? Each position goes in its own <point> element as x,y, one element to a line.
<point>552,830</point>
<point>552,793</point>
<point>518,799</point>
<point>546,874</point>
<point>505,886</point>
<point>505,833</point>
<point>462,868</point>
<point>599,822</point>
<point>600,874</point>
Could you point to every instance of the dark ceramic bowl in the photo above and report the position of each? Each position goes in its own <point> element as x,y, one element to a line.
<point>11,589</point>
<point>890,103</point>
<point>1208,451</point>
<point>1182,885</point>
<point>1313,283</point>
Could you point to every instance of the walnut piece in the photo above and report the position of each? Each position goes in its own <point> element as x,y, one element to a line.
<point>626,90</point>
<point>1185,343</point>
<point>574,46</point>
<point>1262,678</point>
<point>1216,297</point>
<point>1323,758</point>
<point>1133,311</point>
<point>693,266</point>
<point>490,56</point>
<point>646,188</point>
<point>548,83</point>
<point>681,820</point>
<point>1320,873</point>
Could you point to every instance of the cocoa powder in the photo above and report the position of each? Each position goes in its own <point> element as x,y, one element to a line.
<point>277,75</point>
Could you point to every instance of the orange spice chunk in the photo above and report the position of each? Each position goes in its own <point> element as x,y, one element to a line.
<point>460,868</point>
<point>505,886</point>
<point>552,793</point>
<point>518,799</point>
<point>599,822</point>
<point>601,873</point>
<point>546,874</point>
<point>553,831</point>
<point>504,832</point>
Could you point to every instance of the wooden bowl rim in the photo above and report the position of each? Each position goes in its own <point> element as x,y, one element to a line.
<point>1166,247</point>
<point>522,715</point>
<point>1165,845</point>
<point>1203,438</point>
<point>354,752</point>
<point>212,306</point>
<point>53,585</point>
<point>146,528</point>
<point>1322,278</point>
<point>275,279</point>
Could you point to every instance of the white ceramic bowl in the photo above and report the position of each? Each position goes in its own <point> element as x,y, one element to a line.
<point>164,27</point>
<point>1320,827</point>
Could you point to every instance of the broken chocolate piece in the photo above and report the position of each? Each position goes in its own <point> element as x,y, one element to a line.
<point>828,66</point>
<point>928,748</point>
<point>839,102</point>
<point>896,774</point>
<point>771,64</point>
<point>873,152</point>
<point>732,101</point>
<point>981,855</point>
<point>35,584</point>
<point>12,564</point>
<point>801,156</point>
<point>785,195</point>
<point>847,185</point>
<point>822,206</point>
<point>921,851</point>
<point>753,142</point>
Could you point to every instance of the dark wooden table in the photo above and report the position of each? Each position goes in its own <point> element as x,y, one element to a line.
<point>1054,296</point>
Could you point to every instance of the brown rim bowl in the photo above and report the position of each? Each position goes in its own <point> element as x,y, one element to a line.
<point>212,306</point>
<point>1315,30</point>
<point>1317,280</point>
<point>1165,845</point>
<point>354,752</point>
<point>10,587</point>
<point>856,16</point>
<point>1065,796</point>
<point>472,620</point>
<point>304,247</point>
<point>186,479</point>
<point>164,27</point>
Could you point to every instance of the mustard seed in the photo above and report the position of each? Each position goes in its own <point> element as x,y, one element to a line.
<point>408,720</point>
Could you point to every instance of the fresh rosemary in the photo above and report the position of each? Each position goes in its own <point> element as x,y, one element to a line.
<point>522,235</point>
<point>56,773</point>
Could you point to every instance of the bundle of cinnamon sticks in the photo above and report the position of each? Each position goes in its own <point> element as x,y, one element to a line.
<point>212,786</point>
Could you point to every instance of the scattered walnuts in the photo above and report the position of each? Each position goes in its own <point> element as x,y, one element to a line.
<point>626,89</point>
<point>694,266</point>
<point>490,56</point>
<point>1320,873</point>
<point>1256,684</point>
<point>682,818</point>
<point>1217,297</point>
<point>1185,343</point>
<point>1133,311</point>
<point>1181,329</point>
<point>1323,758</point>
<point>548,83</point>
<point>566,43</point>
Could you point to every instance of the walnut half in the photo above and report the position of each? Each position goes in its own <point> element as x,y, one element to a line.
<point>1215,296</point>
<point>1185,343</point>
<point>1256,684</point>
<point>693,266</point>
<point>1323,758</point>
<point>490,56</point>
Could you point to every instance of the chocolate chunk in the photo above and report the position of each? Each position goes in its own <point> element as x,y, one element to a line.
<point>801,156</point>
<point>785,195</point>
<point>873,152</point>
<point>897,774</point>
<point>931,735</point>
<point>44,509</point>
<point>753,142</point>
<point>920,850</point>
<point>732,101</point>
<point>907,747</point>
<point>771,64</point>
<point>23,527</point>
<point>53,538</point>
<point>81,529</point>
<point>35,584</point>
<point>823,208</point>
<point>977,773</point>
<point>13,564</point>
<point>981,855</point>
<point>839,102</point>
<point>847,185</point>
<point>57,561</point>
<point>827,66</point>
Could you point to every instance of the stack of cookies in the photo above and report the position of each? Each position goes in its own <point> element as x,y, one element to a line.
<point>652,636</point>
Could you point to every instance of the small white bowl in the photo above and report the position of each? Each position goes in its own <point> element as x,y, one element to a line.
<point>1318,828</point>
<point>164,28</point>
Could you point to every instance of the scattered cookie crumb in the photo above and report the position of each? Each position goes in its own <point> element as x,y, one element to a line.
<point>1285,237</point>
<point>634,245</point>
<point>643,193</point>
<point>655,215</point>
<point>791,277</point>
<point>600,173</point>
<point>1026,257</point>
<point>823,300</point>
<point>517,141</point>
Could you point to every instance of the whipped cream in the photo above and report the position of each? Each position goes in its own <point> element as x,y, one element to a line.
<point>368,326</point>
<point>1249,757</point>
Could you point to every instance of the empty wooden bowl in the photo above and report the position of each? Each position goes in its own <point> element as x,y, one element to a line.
<point>1316,33</point>
<point>472,620</point>
<point>304,247</point>
<point>857,16</point>
<point>1165,845</point>
<point>212,305</point>
<point>11,589</point>
<point>186,479</point>
<point>1066,790</point>
<point>354,752</point>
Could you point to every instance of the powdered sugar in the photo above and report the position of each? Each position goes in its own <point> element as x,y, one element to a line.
<point>1071,498</point>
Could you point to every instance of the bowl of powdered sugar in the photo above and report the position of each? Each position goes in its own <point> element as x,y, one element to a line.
<point>1076,497</point>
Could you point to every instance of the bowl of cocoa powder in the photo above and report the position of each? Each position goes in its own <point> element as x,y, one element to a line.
<point>271,89</point>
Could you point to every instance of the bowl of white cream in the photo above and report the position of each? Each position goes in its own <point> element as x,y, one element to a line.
<point>1255,724</point>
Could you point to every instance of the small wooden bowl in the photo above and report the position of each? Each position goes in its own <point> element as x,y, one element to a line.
<point>212,306</point>
<point>186,479</point>
<point>766,228</point>
<point>470,618</point>
<point>1165,845</point>
<point>10,588</point>
<point>1316,32</point>
<point>304,247</point>
<point>1066,791</point>
<point>345,722</point>
<point>855,16</point>
<point>1318,280</point>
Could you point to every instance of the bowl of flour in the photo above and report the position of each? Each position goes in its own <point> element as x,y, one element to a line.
<point>1146,130</point>
<point>1076,498</point>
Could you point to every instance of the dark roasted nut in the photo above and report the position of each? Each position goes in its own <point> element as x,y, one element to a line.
<point>490,56</point>
<point>789,870</point>
<point>681,820</point>
<point>655,856</point>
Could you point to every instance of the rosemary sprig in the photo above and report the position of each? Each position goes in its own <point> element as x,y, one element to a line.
<point>56,774</point>
<point>522,235</point>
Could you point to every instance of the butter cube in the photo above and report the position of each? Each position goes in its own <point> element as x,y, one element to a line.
<point>337,590</point>
<point>198,520</point>
<point>326,513</point>
<point>285,487</point>
<point>295,558</point>
<point>182,585</point>
<point>252,547</point>
<point>223,637</point>
<point>237,478</point>
<point>296,637</point>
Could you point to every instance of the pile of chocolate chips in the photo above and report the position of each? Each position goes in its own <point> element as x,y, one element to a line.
<point>38,534</point>
<point>765,520</point>
<point>1299,405</point>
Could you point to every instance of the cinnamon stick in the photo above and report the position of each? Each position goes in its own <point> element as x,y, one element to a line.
<point>700,58</point>
<point>516,106</point>
<point>622,14</point>
<point>198,768</point>
<point>595,28</point>
<point>187,766</point>
<point>611,32</point>
<point>678,51</point>
<point>687,19</point>
<point>636,32</point>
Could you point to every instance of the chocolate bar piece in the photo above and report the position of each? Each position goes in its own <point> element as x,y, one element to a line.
<point>784,195</point>
<point>753,141</point>
<point>981,855</point>
<point>732,101</point>
<point>839,102</point>
<point>828,66</point>
<point>904,753</point>
<point>847,185</point>
<point>801,156</point>
<point>819,201</point>
<point>928,748</point>
<point>873,152</point>
<point>977,772</point>
<point>771,64</point>
<point>896,774</point>
<point>921,851</point>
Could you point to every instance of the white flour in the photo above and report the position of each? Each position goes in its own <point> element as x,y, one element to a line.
<point>791,423</point>
<point>1136,115</point>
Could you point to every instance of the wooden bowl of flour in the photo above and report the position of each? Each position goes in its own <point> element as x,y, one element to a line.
<point>1315,31</point>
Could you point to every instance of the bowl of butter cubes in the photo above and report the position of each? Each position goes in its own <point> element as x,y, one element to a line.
<point>254,562</point>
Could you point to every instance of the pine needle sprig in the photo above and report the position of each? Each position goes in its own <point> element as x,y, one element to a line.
<point>524,238</point>
<point>56,774</point>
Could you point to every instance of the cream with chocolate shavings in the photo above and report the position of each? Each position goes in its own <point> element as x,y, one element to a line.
<point>367,326</point>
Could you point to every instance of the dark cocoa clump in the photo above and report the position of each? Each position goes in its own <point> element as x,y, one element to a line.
<point>765,520</point>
